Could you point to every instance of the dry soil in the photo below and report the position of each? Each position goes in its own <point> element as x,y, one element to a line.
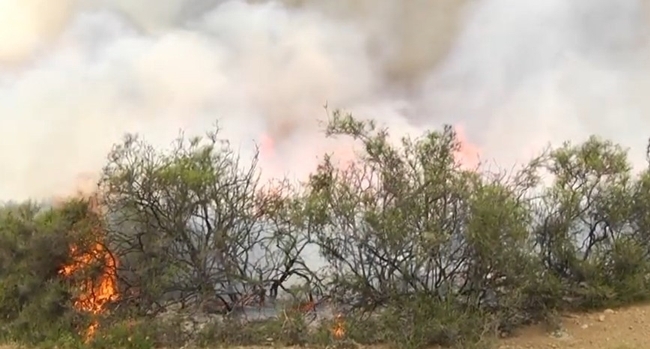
<point>626,328</point>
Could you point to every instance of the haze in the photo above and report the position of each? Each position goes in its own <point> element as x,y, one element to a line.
<point>513,75</point>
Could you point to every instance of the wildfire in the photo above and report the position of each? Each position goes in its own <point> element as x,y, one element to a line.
<point>95,294</point>
<point>469,153</point>
<point>269,158</point>
<point>338,330</point>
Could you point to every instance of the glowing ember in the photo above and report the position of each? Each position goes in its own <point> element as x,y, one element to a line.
<point>306,307</point>
<point>94,294</point>
<point>338,330</point>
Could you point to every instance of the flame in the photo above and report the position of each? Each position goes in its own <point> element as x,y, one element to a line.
<point>97,292</point>
<point>306,307</point>
<point>269,157</point>
<point>469,153</point>
<point>338,330</point>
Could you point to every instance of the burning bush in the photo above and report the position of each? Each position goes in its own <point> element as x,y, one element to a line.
<point>34,244</point>
<point>91,267</point>
<point>98,289</point>
<point>416,249</point>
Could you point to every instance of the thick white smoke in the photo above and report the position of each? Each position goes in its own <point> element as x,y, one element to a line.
<point>515,74</point>
<point>525,73</point>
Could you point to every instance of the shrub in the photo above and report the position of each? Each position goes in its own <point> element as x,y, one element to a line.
<point>415,250</point>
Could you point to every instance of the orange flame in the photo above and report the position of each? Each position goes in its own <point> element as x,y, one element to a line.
<point>469,153</point>
<point>338,330</point>
<point>94,294</point>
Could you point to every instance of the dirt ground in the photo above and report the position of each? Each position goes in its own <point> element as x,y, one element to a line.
<point>626,328</point>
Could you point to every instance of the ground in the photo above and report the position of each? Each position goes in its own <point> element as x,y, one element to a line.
<point>626,328</point>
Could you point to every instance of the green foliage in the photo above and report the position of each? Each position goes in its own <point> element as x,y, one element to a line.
<point>35,300</point>
<point>416,250</point>
<point>288,329</point>
<point>140,334</point>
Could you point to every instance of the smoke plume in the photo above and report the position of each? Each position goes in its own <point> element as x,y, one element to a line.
<point>512,74</point>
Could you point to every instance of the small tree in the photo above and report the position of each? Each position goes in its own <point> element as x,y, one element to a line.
<point>193,223</point>
<point>584,229</point>
<point>405,225</point>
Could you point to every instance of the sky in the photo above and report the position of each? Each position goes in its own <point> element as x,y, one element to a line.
<point>511,75</point>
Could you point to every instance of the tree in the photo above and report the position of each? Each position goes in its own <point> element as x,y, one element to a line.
<point>414,249</point>
<point>585,230</point>
<point>405,223</point>
<point>193,223</point>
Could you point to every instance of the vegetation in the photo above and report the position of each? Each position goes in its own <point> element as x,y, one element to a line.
<point>405,245</point>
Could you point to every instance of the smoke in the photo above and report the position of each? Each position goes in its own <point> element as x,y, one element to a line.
<point>514,74</point>
<point>525,73</point>
<point>27,25</point>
